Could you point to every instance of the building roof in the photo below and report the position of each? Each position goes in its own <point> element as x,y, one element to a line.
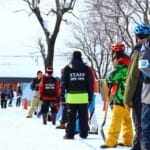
<point>15,79</point>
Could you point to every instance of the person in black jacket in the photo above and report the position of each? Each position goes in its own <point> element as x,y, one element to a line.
<point>35,88</point>
<point>3,95</point>
<point>10,95</point>
<point>19,95</point>
<point>77,84</point>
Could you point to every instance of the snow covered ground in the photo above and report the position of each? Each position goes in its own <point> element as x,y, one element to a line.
<point>20,133</point>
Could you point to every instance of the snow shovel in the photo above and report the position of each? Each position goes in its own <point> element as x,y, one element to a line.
<point>105,116</point>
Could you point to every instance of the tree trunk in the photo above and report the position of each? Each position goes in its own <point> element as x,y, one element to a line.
<point>50,55</point>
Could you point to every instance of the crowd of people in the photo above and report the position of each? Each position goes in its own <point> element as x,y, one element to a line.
<point>128,83</point>
<point>7,95</point>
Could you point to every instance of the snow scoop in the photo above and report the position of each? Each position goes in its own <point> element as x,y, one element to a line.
<point>105,116</point>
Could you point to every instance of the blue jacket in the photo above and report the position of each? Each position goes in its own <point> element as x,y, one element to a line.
<point>144,66</point>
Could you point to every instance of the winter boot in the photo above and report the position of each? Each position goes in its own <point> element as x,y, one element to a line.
<point>35,112</point>
<point>61,126</point>
<point>53,118</point>
<point>122,144</point>
<point>105,146</point>
<point>136,146</point>
<point>68,137</point>
<point>44,118</point>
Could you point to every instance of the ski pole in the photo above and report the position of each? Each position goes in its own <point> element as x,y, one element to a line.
<point>105,116</point>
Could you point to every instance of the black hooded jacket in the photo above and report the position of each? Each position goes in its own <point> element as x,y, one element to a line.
<point>69,83</point>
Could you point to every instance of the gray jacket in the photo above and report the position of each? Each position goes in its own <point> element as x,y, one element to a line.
<point>144,66</point>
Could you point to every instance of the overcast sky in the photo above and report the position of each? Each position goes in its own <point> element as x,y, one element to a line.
<point>18,38</point>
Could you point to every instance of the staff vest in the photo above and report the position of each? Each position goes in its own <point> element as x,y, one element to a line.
<point>77,86</point>
<point>77,80</point>
<point>49,86</point>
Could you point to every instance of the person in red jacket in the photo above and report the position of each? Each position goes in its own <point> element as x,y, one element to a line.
<point>49,91</point>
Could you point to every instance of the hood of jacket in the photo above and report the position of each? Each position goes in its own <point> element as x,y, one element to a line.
<point>77,64</point>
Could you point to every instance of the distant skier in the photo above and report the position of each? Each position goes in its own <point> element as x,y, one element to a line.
<point>120,116</point>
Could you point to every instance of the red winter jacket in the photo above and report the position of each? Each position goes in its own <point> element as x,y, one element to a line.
<point>95,89</point>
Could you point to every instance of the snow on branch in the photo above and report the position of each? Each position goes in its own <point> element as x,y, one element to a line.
<point>46,27</point>
<point>36,3</point>
<point>65,5</point>
<point>45,24</point>
<point>29,13</point>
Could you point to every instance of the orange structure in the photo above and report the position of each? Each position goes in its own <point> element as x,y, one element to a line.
<point>25,104</point>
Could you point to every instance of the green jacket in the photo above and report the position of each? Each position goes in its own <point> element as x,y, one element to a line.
<point>133,78</point>
<point>118,76</point>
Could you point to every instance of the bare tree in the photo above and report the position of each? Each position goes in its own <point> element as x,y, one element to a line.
<point>61,7</point>
<point>91,42</point>
<point>121,16</point>
<point>108,21</point>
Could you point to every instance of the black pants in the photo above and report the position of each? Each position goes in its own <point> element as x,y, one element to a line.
<point>64,114</point>
<point>18,102</point>
<point>3,103</point>
<point>10,101</point>
<point>47,104</point>
<point>136,114</point>
<point>72,110</point>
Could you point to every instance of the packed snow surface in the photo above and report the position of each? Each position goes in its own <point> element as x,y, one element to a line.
<point>20,133</point>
